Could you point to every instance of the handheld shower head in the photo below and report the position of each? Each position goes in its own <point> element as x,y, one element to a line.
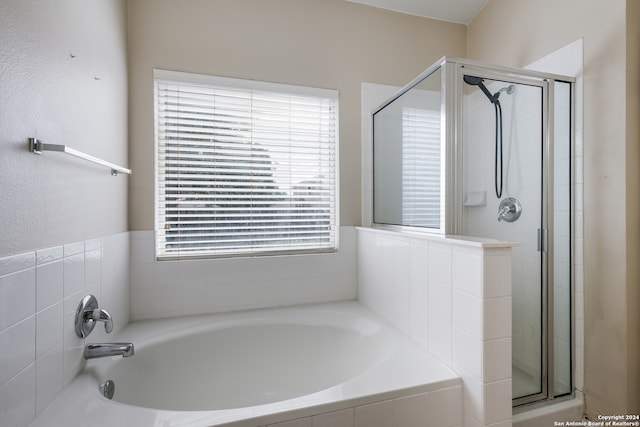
<point>509,89</point>
<point>477,81</point>
<point>473,80</point>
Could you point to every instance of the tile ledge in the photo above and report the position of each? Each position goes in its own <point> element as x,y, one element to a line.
<point>477,242</point>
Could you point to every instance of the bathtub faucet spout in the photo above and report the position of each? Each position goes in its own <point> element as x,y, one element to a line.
<point>94,351</point>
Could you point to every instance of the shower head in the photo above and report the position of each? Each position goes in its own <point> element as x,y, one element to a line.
<point>477,81</point>
<point>473,80</point>
<point>509,89</point>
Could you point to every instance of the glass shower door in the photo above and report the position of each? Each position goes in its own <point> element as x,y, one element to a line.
<point>503,151</point>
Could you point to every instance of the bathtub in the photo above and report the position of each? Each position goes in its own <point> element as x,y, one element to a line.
<point>258,368</point>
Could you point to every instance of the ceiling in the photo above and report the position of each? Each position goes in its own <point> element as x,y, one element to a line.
<point>460,11</point>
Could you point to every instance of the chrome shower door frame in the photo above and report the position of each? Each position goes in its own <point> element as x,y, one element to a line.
<point>454,69</point>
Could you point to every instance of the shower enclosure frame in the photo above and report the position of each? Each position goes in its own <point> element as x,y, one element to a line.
<point>451,162</point>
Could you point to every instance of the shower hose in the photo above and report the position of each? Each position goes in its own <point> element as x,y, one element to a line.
<point>497,170</point>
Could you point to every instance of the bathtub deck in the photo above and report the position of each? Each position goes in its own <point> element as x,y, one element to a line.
<point>411,380</point>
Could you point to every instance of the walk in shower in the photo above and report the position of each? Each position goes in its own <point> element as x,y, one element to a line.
<point>484,151</point>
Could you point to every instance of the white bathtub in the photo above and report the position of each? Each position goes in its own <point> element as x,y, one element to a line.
<point>252,368</point>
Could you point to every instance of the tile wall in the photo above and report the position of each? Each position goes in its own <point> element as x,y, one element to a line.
<point>39,293</point>
<point>439,408</point>
<point>454,298</point>
<point>174,288</point>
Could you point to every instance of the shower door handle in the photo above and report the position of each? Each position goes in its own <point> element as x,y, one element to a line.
<point>542,240</point>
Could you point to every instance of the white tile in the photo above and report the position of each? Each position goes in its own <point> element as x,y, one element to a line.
<point>440,300</point>
<point>115,298</point>
<point>115,253</point>
<point>72,359</point>
<point>419,258</point>
<point>69,307</point>
<point>141,304</point>
<point>467,273</point>
<point>18,348</point>
<point>18,399</point>
<point>467,352</point>
<point>15,263</point>
<point>496,276</point>
<point>497,401</point>
<point>47,255</point>
<point>142,251</point>
<point>419,309</point>
<point>410,411</point>
<point>299,422</point>
<point>193,299</point>
<point>467,313</point>
<point>445,407</point>
<point>439,264</point>
<point>49,377</point>
<point>73,345</point>
<point>470,421</point>
<point>49,284</point>
<point>374,415</point>
<point>49,328</point>
<point>92,266</point>
<point>402,300</point>
<point>472,395</point>
<point>343,418</point>
<point>142,276</point>
<point>75,248</point>
<point>402,253</point>
<point>220,297</point>
<point>73,273</point>
<point>497,318</point>
<point>497,360</point>
<point>440,339</point>
<point>92,244</point>
<point>17,297</point>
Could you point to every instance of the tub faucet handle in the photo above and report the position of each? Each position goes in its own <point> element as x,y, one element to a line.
<point>100,315</point>
<point>88,313</point>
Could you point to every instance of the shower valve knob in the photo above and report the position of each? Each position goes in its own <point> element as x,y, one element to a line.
<point>88,313</point>
<point>509,210</point>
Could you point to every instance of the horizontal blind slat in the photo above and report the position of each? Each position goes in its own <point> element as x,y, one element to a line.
<point>243,171</point>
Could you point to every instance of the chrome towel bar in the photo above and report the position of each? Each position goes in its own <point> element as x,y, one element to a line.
<point>36,146</point>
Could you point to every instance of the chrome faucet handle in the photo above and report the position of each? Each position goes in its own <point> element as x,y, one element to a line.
<point>505,210</point>
<point>100,315</point>
<point>88,313</point>
<point>509,210</point>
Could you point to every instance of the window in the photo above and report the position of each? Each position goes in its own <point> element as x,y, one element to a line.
<point>243,167</point>
<point>421,167</point>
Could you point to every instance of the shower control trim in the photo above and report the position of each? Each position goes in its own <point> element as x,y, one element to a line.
<point>88,313</point>
<point>509,210</point>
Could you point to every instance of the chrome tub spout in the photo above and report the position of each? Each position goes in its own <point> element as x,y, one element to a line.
<point>94,351</point>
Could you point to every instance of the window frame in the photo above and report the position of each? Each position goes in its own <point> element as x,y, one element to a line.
<point>178,77</point>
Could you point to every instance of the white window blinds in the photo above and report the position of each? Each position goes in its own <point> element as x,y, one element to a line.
<point>421,167</point>
<point>244,167</point>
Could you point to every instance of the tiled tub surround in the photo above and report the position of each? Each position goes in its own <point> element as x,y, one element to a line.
<point>176,288</point>
<point>452,295</point>
<point>368,374</point>
<point>39,292</point>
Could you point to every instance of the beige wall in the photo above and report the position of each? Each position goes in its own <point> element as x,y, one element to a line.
<point>633,201</point>
<point>54,199</point>
<point>517,32</point>
<point>321,43</point>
